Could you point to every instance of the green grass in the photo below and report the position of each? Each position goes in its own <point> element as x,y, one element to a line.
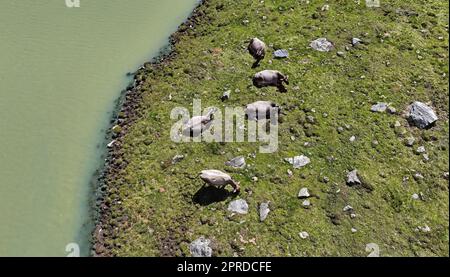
<point>403,60</point>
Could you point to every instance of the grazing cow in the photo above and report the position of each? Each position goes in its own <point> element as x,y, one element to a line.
<point>260,110</point>
<point>219,179</point>
<point>272,78</point>
<point>198,124</point>
<point>257,49</point>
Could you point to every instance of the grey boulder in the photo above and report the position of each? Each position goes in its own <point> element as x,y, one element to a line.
<point>421,115</point>
<point>238,206</point>
<point>200,248</point>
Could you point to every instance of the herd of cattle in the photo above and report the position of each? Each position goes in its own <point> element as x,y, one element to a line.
<point>198,124</point>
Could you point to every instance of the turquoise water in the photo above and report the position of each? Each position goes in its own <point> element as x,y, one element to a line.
<point>60,71</point>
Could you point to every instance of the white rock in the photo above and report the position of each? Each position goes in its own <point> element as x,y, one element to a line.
<point>263,211</point>
<point>298,161</point>
<point>347,208</point>
<point>421,115</point>
<point>303,235</point>
<point>322,45</point>
<point>303,193</point>
<point>200,248</point>
<point>238,206</point>
<point>352,178</point>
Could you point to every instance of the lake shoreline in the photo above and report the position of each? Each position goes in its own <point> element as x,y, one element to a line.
<point>123,116</point>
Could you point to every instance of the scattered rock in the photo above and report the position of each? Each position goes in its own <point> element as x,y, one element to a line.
<point>238,162</point>
<point>356,41</point>
<point>380,107</point>
<point>340,54</point>
<point>410,141</point>
<point>281,53</point>
<point>322,45</point>
<point>352,215</point>
<point>325,8</point>
<point>391,110</point>
<point>177,159</point>
<point>263,211</point>
<point>226,95</point>
<point>303,235</point>
<point>352,138</point>
<point>306,204</point>
<point>415,196</point>
<point>373,3</point>
<point>352,178</point>
<point>418,177</point>
<point>238,206</point>
<point>421,115</point>
<point>303,193</point>
<point>298,161</point>
<point>445,175</point>
<point>200,248</point>
<point>354,230</point>
<point>421,150</point>
<point>424,229</point>
<point>111,144</point>
<point>347,208</point>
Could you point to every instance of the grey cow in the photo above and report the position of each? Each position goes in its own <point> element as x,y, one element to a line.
<point>257,48</point>
<point>271,78</point>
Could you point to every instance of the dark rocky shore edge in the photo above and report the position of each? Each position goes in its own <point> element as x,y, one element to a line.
<point>124,115</point>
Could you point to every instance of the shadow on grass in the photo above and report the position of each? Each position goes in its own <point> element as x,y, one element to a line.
<point>209,194</point>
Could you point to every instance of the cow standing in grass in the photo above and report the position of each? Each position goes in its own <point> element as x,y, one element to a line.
<point>257,49</point>
<point>270,78</point>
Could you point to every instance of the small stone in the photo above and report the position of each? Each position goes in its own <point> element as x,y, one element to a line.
<point>290,173</point>
<point>421,115</point>
<point>310,119</point>
<point>111,144</point>
<point>418,176</point>
<point>391,110</point>
<point>303,235</point>
<point>200,248</point>
<point>380,107</point>
<point>226,95</point>
<point>410,141</point>
<point>445,175</point>
<point>325,8</point>
<point>340,129</point>
<point>237,162</point>
<point>325,179</point>
<point>263,211</point>
<point>238,206</point>
<point>356,41</point>
<point>281,53</point>
<point>425,229</point>
<point>303,193</point>
<point>415,196</point>
<point>306,203</point>
<point>425,157</point>
<point>352,178</point>
<point>352,215</point>
<point>177,159</point>
<point>421,150</point>
<point>340,54</point>
<point>348,208</point>
<point>255,179</point>
<point>298,161</point>
<point>322,45</point>
<point>354,230</point>
<point>352,138</point>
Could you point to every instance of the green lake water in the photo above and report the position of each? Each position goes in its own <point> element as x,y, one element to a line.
<point>60,71</point>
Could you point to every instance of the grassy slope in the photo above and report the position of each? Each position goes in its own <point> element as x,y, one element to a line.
<point>402,61</point>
